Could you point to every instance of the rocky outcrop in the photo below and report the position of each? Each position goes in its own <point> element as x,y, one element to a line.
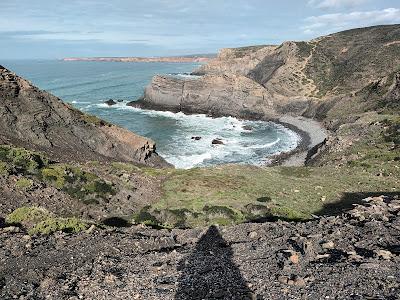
<point>36,119</point>
<point>325,257</point>
<point>217,95</point>
<point>293,78</point>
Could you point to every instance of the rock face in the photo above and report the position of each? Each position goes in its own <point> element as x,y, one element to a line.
<point>294,78</point>
<point>325,257</point>
<point>35,119</point>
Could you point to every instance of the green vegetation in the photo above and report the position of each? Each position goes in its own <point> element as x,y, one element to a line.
<point>77,183</point>
<point>22,161</point>
<point>233,194</point>
<point>304,49</point>
<point>4,170</point>
<point>27,214</point>
<point>24,183</point>
<point>40,221</point>
<point>51,225</point>
<point>94,120</point>
<point>73,180</point>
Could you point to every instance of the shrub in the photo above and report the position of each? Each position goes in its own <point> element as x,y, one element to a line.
<point>77,183</point>
<point>51,225</point>
<point>26,215</point>
<point>24,183</point>
<point>145,217</point>
<point>22,160</point>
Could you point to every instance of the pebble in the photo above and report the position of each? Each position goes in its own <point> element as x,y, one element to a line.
<point>253,235</point>
<point>385,254</point>
<point>328,245</point>
<point>11,229</point>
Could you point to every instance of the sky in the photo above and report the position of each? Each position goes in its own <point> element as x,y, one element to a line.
<point>87,28</point>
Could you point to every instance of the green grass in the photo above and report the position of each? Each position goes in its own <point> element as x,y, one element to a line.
<point>38,220</point>
<point>20,160</point>
<point>51,225</point>
<point>27,214</point>
<point>77,183</point>
<point>24,183</point>
<point>233,194</point>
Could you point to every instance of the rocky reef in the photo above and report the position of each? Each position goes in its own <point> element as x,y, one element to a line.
<point>38,120</point>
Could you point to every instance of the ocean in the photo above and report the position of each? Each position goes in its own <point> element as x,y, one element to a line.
<point>86,85</point>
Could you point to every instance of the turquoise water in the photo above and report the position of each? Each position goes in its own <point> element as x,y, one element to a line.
<point>86,85</point>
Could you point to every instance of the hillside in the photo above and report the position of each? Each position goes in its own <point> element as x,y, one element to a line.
<point>38,120</point>
<point>86,212</point>
<point>295,77</point>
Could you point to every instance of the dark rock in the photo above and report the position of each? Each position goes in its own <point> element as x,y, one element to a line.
<point>247,127</point>
<point>196,138</point>
<point>110,102</point>
<point>217,142</point>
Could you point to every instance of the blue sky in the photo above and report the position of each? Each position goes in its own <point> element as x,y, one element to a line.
<point>64,28</point>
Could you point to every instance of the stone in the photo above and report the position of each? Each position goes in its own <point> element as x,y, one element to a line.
<point>328,245</point>
<point>299,281</point>
<point>196,138</point>
<point>217,142</point>
<point>253,235</point>
<point>110,102</point>
<point>247,128</point>
<point>294,258</point>
<point>385,254</point>
<point>283,279</point>
<point>11,229</point>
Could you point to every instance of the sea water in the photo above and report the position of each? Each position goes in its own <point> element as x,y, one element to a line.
<point>86,85</point>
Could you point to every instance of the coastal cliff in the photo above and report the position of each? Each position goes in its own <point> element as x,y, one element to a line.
<point>36,119</point>
<point>294,78</point>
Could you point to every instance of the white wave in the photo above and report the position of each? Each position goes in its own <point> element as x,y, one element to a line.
<point>183,152</point>
<point>188,161</point>
<point>268,145</point>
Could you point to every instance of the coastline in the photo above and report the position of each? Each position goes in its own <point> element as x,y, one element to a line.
<point>312,133</point>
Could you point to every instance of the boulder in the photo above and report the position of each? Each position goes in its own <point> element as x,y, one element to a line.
<point>217,142</point>
<point>110,102</point>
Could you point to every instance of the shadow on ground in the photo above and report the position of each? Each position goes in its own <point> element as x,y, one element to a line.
<point>210,273</point>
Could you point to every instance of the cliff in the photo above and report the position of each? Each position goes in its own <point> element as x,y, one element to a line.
<point>294,78</point>
<point>38,120</point>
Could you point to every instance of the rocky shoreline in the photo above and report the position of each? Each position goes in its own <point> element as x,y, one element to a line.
<point>312,133</point>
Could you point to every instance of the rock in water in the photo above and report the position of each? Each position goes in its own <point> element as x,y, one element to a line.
<point>36,119</point>
<point>196,138</point>
<point>110,102</point>
<point>247,127</point>
<point>217,142</point>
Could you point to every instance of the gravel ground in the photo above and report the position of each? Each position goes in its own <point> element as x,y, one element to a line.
<point>352,256</point>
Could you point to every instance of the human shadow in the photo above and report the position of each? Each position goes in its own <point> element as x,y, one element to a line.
<point>210,273</point>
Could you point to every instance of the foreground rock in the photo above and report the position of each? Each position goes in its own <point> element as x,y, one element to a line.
<point>325,258</point>
<point>35,119</point>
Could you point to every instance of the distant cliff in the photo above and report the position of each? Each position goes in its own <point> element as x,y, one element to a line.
<point>35,119</point>
<point>171,59</point>
<point>295,77</point>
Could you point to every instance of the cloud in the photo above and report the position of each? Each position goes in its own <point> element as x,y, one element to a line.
<point>328,23</point>
<point>335,3</point>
